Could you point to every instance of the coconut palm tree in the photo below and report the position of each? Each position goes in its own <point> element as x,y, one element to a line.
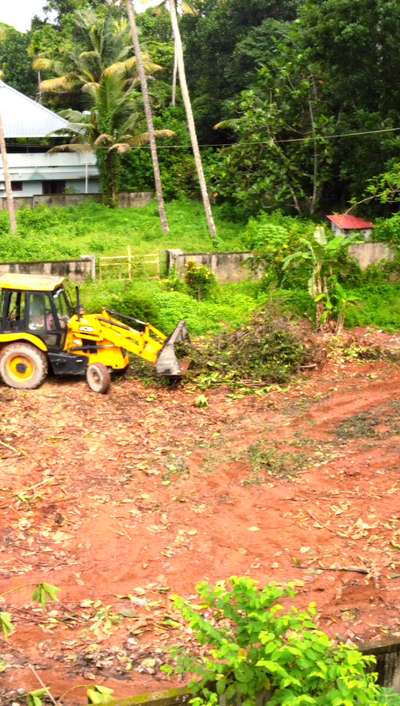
<point>106,43</point>
<point>149,115</point>
<point>190,118</point>
<point>7,179</point>
<point>112,127</point>
<point>106,72</point>
<point>180,62</point>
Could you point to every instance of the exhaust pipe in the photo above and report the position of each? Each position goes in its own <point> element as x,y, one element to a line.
<point>167,362</point>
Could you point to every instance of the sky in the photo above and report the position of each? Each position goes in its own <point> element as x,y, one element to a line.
<point>19,13</point>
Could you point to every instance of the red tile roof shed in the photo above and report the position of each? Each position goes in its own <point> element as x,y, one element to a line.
<point>347,222</point>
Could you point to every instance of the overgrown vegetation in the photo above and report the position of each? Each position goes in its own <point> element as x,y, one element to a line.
<point>273,76</point>
<point>253,643</point>
<point>56,233</point>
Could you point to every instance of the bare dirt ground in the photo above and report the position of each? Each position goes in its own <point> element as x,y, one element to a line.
<point>125,499</point>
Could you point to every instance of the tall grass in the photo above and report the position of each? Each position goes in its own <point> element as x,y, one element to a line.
<point>56,233</point>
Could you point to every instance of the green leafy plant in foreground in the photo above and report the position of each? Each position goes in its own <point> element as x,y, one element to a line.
<point>98,694</point>
<point>252,647</point>
<point>42,594</point>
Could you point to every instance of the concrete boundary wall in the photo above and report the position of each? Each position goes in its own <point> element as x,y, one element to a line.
<point>226,266</point>
<point>370,253</point>
<point>134,200</point>
<point>234,266</point>
<point>77,270</point>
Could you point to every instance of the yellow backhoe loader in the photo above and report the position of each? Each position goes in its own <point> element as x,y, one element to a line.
<point>41,332</point>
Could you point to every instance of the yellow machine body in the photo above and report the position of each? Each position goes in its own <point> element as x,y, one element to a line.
<point>35,312</point>
<point>113,340</point>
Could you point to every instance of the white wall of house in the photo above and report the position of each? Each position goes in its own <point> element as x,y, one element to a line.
<point>78,186</point>
<point>365,233</point>
<point>33,169</point>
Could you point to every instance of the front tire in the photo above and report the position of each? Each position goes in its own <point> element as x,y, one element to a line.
<point>23,366</point>
<point>98,378</point>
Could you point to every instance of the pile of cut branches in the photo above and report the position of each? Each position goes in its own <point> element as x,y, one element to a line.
<point>268,350</point>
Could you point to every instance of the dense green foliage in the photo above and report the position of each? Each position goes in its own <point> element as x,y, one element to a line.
<point>153,301</point>
<point>254,647</point>
<point>15,62</point>
<point>57,233</point>
<point>275,78</point>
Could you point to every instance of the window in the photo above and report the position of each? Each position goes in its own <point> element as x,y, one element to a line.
<point>50,188</point>
<point>14,314</point>
<point>63,307</point>
<point>37,313</point>
<point>40,315</point>
<point>16,185</point>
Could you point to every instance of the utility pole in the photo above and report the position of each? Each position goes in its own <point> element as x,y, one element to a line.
<point>190,119</point>
<point>7,180</point>
<point>149,115</point>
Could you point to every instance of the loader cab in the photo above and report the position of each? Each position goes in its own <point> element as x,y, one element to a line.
<point>36,306</point>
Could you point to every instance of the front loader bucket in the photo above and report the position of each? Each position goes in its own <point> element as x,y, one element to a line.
<point>167,362</point>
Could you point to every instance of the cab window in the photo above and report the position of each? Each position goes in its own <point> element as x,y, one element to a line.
<point>14,311</point>
<point>62,307</point>
<point>37,313</point>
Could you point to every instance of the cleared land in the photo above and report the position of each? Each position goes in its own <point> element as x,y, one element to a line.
<point>127,498</point>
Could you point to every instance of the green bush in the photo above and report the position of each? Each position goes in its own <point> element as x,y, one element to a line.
<point>153,301</point>
<point>200,280</point>
<point>251,646</point>
<point>378,305</point>
<point>388,230</point>
<point>267,350</point>
<point>273,237</point>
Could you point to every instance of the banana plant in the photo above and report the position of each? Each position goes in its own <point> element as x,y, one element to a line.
<point>321,256</point>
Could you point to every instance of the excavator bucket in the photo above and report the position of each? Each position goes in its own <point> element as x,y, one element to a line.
<point>167,361</point>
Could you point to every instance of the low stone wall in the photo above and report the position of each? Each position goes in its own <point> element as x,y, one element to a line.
<point>134,200</point>
<point>76,270</point>
<point>226,266</point>
<point>387,663</point>
<point>370,253</point>
<point>234,266</point>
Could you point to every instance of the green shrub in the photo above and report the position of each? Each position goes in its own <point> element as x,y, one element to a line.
<point>388,230</point>
<point>153,301</point>
<point>378,305</point>
<point>272,237</point>
<point>200,280</point>
<point>252,646</point>
<point>391,697</point>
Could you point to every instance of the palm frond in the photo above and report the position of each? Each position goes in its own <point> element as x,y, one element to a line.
<point>103,139</point>
<point>79,147</point>
<point>62,84</point>
<point>42,63</point>
<point>121,147</point>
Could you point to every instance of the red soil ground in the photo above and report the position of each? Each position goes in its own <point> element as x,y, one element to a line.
<point>141,494</point>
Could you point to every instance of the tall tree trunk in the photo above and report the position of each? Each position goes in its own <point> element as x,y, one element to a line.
<point>174,79</point>
<point>7,180</point>
<point>149,115</point>
<point>190,119</point>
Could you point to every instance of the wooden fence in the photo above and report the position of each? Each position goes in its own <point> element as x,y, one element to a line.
<point>129,266</point>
